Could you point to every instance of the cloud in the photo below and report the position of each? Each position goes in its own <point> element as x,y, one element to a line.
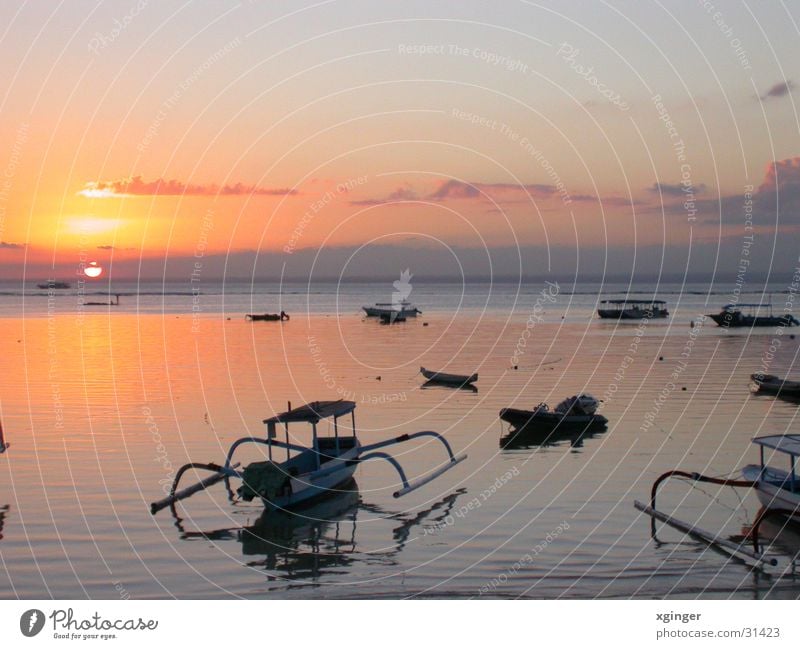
<point>400,194</point>
<point>458,190</point>
<point>778,90</point>
<point>6,245</point>
<point>136,186</point>
<point>776,201</point>
<point>113,248</point>
<point>677,189</point>
<point>455,189</point>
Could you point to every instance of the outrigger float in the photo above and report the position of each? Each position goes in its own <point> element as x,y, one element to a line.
<point>313,471</point>
<point>778,492</point>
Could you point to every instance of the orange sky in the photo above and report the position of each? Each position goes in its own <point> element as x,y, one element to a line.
<point>257,129</point>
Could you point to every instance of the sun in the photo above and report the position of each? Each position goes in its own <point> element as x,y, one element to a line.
<point>93,270</point>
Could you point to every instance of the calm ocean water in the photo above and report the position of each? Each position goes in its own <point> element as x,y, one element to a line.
<point>102,404</point>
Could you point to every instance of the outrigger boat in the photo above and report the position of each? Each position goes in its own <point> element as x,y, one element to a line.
<point>770,384</point>
<point>448,379</point>
<point>313,471</point>
<point>632,309</point>
<point>751,315</point>
<point>392,310</point>
<point>777,490</point>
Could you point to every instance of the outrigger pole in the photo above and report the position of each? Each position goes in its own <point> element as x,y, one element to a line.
<point>221,473</point>
<point>700,533</point>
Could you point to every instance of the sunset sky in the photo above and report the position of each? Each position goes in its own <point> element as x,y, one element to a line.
<point>470,138</point>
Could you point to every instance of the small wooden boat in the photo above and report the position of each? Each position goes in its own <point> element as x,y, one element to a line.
<point>632,309</point>
<point>575,414</point>
<point>432,385</point>
<point>770,384</point>
<point>402,309</point>
<point>313,471</point>
<point>267,317</point>
<point>751,315</point>
<point>448,379</point>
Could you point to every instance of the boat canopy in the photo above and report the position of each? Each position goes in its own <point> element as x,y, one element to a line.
<point>313,412</point>
<point>789,444</point>
<point>632,302</point>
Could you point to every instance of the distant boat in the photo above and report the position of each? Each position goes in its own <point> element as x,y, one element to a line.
<point>577,413</point>
<point>770,384</point>
<point>3,444</point>
<point>114,302</point>
<point>269,317</point>
<point>632,309</point>
<point>751,315</point>
<point>49,285</point>
<point>448,379</point>
<point>393,310</point>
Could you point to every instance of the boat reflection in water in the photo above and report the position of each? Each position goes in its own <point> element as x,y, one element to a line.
<point>773,531</point>
<point>299,547</point>
<point>304,544</point>
<point>4,509</point>
<point>532,437</point>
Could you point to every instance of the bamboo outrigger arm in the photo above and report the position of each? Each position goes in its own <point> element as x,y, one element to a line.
<point>408,487</point>
<point>220,474</point>
<point>730,546</point>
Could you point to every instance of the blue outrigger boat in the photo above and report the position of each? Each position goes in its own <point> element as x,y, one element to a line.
<point>313,471</point>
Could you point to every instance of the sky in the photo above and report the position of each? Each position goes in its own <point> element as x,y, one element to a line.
<point>346,139</point>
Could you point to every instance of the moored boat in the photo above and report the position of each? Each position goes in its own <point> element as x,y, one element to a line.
<point>752,315</point>
<point>392,310</point>
<point>577,413</point>
<point>632,309</point>
<point>771,384</point>
<point>267,317</point>
<point>448,379</point>
<point>314,471</point>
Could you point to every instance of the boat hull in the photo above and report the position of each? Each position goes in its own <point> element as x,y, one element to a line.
<point>377,312</point>
<point>728,319</point>
<point>545,422</point>
<point>448,379</point>
<point>630,314</point>
<point>309,487</point>
<point>769,491</point>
